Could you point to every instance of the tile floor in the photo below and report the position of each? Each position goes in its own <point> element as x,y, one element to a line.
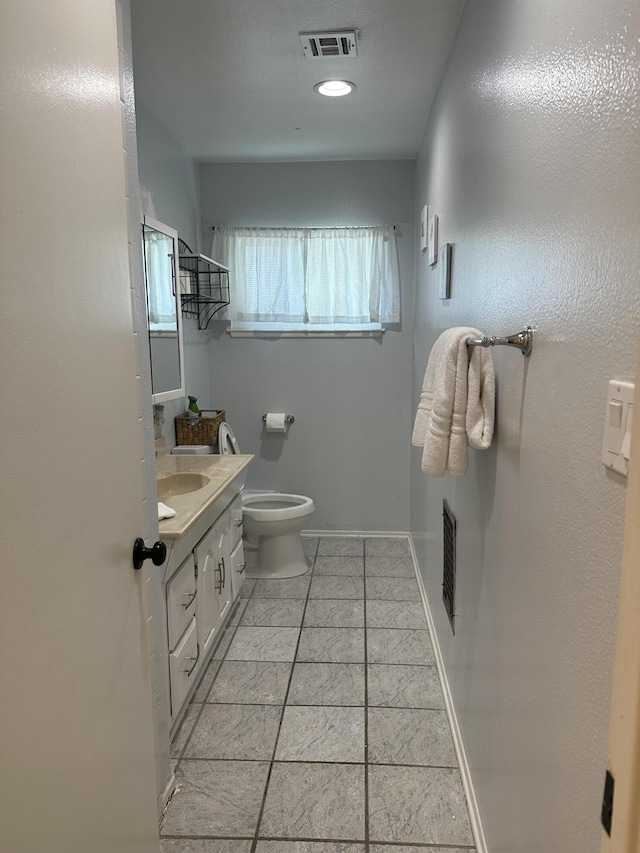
<point>319,726</point>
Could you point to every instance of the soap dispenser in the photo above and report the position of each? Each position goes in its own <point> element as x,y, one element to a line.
<point>194,419</point>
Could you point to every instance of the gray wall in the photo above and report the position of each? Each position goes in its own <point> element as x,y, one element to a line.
<point>531,158</point>
<point>348,448</point>
<point>170,191</point>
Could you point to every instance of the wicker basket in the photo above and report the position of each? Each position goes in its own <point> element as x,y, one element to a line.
<point>206,432</point>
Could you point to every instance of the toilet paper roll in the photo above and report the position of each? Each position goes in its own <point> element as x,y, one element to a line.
<point>276,422</point>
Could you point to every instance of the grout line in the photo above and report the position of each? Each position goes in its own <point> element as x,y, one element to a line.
<point>284,705</point>
<point>366,715</point>
<point>305,839</point>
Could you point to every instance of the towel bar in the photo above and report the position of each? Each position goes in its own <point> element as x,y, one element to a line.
<point>521,340</point>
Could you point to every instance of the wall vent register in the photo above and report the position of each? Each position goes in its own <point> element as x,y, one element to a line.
<point>449,563</point>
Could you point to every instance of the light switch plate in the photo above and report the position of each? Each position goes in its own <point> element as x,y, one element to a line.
<point>617,426</point>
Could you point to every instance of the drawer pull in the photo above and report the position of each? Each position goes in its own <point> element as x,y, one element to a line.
<point>239,523</point>
<point>192,598</point>
<point>224,574</point>
<point>195,661</point>
<point>242,568</point>
<point>220,569</point>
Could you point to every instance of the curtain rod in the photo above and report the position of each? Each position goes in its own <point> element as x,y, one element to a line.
<point>301,227</point>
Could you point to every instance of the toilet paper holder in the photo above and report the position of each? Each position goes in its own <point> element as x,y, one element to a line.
<point>289,419</point>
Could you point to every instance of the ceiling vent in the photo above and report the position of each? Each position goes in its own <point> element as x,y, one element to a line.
<point>329,45</point>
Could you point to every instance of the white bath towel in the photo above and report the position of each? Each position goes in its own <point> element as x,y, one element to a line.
<point>457,406</point>
<point>165,511</point>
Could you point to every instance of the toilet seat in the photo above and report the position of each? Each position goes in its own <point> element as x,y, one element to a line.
<point>227,442</point>
<point>276,507</point>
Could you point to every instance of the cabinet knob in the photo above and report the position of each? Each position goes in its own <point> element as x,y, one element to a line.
<point>157,553</point>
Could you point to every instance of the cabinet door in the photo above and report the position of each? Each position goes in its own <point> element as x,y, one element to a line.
<point>238,566</point>
<point>207,610</point>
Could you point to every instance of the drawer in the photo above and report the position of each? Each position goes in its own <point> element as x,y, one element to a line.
<point>235,516</point>
<point>183,667</point>
<point>237,566</point>
<point>181,600</point>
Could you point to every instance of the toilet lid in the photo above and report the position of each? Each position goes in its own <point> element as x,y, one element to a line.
<point>227,443</point>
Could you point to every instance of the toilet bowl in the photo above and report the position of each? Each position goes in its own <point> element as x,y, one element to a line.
<point>272,525</point>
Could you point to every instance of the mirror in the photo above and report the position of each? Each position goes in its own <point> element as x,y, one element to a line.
<point>163,310</point>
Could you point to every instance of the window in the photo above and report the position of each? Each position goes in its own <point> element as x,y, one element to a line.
<point>312,279</point>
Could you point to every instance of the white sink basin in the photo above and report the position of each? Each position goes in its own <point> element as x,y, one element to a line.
<point>180,484</point>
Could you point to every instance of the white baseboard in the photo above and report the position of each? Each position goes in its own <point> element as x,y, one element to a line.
<point>467,783</point>
<point>369,534</point>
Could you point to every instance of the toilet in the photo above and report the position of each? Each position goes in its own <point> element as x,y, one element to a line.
<point>272,525</point>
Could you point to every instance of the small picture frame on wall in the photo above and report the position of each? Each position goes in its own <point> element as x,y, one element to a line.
<point>424,228</point>
<point>433,240</point>
<point>444,271</point>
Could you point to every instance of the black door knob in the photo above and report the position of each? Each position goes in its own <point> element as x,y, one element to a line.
<point>157,553</point>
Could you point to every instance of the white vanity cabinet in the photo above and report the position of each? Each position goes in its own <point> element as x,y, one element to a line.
<point>200,595</point>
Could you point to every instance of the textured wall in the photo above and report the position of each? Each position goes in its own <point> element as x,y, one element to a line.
<point>531,158</point>
<point>170,191</point>
<point>351,398</point>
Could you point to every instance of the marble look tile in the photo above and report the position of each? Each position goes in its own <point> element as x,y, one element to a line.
<point>216,798</point>
<point>347,566</point>
<point>321,733</point>
<point>394,645</point>
<point>246,732</point>
<point>283,588</point>
<point>208,677</point>
<point>389,567</point>
<point>396,614</point>
<point>327,684</point>
<point>331,645</point>
<point>247,682</point>
<point>331,613</point>
<point>332,587</point>
<point>322,801</point>
<point>239,611</point>
<point>203,845</point>
<point>277,644</point>
<point>343,546</point>
<point>381,547</point>
<point>394,686</point>
<point>308,847</point>
<point>309,545</point>
<point>401,736</point>
<point>417,804</point>
<point>224,643</point>
<point>247,588</point>
<point>182,735</point>
<point>393,848</point>
<point>393,589</point>
<point>274,612</point>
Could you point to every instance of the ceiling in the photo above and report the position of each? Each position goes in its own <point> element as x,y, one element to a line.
<point>230,81</point>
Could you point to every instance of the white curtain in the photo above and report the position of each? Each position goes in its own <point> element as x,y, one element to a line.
<point>311,275</point>
<point>158,249</point>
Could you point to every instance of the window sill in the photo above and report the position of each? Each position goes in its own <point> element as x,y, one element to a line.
<point>304,333</point>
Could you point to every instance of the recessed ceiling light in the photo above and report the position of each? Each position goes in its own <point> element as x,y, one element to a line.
<point>334,88</point>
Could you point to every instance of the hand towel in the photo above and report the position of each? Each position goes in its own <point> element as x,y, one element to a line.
<point>456,408</point>
<point>165,511</point>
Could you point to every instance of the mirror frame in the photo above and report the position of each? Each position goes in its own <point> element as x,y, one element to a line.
<point>177,393</point>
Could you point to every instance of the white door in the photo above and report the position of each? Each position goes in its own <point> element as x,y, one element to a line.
<point>77,767</point>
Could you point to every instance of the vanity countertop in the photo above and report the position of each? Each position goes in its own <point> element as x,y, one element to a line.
<point>190,507</point>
